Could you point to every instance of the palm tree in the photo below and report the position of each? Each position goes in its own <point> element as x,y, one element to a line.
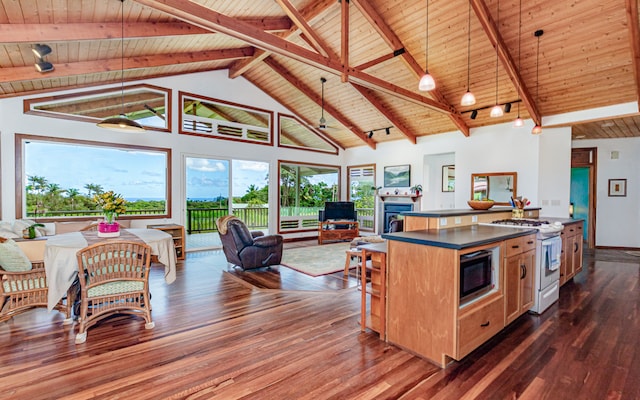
<point>37,184</point>
<point>93,188</point>
<point>72,194</point>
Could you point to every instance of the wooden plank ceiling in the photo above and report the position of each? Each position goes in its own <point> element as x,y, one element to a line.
<point>371,52</point>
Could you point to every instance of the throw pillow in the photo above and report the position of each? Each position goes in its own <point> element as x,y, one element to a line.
<point>12,258</point>
<point>22,224</point>
<point>8,233</point>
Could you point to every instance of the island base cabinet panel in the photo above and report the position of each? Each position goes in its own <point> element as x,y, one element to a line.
<point>477,327</point>
<point>422,303</point>
<point>519,284</point>
<point>572,243</point>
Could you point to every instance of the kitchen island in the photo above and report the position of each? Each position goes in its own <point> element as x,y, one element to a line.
<point>425,313</point>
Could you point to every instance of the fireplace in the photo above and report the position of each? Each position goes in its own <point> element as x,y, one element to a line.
<point>391,211</point>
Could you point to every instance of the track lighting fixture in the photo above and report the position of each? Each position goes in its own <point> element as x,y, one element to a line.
<point>370,134</point>
<point>507,108</point>
<point>121,123</point>
<point>40,51</point>
<point>474,114</point>
<point>387,130</point>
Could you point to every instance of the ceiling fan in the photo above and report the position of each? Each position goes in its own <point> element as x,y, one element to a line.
<point>322,123</point>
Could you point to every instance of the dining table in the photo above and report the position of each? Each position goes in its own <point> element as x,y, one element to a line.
<point>61,262</point>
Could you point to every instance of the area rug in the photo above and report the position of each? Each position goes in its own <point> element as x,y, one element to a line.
<point>316,260</point>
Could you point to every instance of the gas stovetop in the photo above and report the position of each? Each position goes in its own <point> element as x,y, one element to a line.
<point>545,228</point>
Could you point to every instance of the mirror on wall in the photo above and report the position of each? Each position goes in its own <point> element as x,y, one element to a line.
<point>497,186</point>
<point>448,178</point>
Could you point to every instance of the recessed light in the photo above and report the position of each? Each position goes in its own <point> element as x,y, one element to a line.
<point>607,124</point>
<point>579,137</point>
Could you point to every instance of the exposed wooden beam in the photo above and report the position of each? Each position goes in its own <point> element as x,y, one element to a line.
<point>378,60</point>
<point>344,38</point>
<point>634,39</point>
<point>389,36</point>
<point>304,27</point>
<point>210,19</point>
<point>309,13</point>
<point>384,110</point>
<point>332,111</point>
<point>491,30</point>
<point>115,64</point>
<point>30,33</point>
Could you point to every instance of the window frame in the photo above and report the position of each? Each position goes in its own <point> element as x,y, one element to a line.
<point>21,174</point>
<point>311,130</point>
<point>181,97</point>
<point>28,104</point>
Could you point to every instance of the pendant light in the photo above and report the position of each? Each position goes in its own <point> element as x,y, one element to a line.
<point>427,82</point>
<point>121,123</point>
<point>519,122</point>
<point>537,129</point>
<point>496,110</point>
<point>468,99</point>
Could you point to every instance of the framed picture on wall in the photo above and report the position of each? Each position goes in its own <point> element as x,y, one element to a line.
<point>617,187</point>
<point>397,176</point>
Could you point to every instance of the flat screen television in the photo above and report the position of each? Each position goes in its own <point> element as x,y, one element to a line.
<point>339,210</point>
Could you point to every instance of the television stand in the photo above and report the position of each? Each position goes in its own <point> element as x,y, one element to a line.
<point>328,230</point>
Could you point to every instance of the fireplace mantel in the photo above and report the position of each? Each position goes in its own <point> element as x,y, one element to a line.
<point>396,197</point>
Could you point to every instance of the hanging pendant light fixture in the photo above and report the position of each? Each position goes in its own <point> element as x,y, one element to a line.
<point>427,82</point>
<point>121,123</point>
<point>518,122</point>
<point>496,110</point>
<point>537,129</point>
<point>468,99</point>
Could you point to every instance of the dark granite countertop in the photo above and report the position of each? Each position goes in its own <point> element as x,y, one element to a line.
<point>460,211</point>
<point>461,237</point>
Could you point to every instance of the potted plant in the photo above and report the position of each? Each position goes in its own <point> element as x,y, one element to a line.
<point>416,189</point>
<point>112,205</point>
<point>30,232</point>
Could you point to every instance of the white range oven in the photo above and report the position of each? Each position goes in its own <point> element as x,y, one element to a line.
<point>548,258</point>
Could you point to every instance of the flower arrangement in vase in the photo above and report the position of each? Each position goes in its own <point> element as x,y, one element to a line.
<point>112,205</point>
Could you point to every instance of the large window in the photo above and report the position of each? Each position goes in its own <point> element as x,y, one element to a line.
<point>304,188</point>
<point>362,191</point>
<point>203,116</point>
<point>294,134</point>
<point>57,178</point>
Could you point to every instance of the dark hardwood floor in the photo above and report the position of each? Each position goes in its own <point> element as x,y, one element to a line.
<point>279,334</point>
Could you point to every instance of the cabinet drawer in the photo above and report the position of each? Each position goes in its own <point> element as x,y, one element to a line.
<point>514,246</point>
<point>528,243</point>
<point>476,327</point>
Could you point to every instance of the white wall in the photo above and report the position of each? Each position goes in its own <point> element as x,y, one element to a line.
<point>496,148</point>
<point>617,218</point>
<point>212,84</point>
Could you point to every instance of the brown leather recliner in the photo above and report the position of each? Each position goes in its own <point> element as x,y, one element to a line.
<point>248,249</point>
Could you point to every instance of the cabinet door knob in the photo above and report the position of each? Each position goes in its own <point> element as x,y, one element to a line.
<point>515,247</point>
<point>523,269</point>
<point>485,324</point>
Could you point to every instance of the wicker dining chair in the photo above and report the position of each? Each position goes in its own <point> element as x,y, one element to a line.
<point>21,291</point>
<point>114,279</point>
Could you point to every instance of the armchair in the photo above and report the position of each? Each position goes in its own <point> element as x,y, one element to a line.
<point>248,249</point>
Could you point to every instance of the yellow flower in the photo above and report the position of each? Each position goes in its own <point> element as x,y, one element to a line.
<point>112,204</point>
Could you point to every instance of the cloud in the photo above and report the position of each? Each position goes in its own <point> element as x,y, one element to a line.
<point>256,166</point>
<point>204,165</point>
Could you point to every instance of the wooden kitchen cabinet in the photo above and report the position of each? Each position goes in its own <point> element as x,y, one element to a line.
<point>571,259</point>
<point>177,232</point>
<point>519,283</point>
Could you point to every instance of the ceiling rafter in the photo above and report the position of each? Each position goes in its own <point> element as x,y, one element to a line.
<point>33,33</point>
<point>115,64</point>
<point>491,30</point>
<point>634,38</point>
<point>332,111</point>
<point>379,60</point>
<point>309,14</point>
<point>316,42</point>
<point>389,36</point>
<point>344,39</point>
<point>210,19</point>
<point>384,110</point>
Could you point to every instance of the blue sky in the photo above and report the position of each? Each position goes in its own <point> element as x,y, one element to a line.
<point>135,174</point>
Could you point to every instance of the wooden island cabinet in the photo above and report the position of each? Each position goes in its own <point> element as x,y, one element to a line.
<point>424,312</point>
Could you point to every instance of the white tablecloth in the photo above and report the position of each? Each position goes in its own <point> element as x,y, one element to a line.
<point>61,263</point>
